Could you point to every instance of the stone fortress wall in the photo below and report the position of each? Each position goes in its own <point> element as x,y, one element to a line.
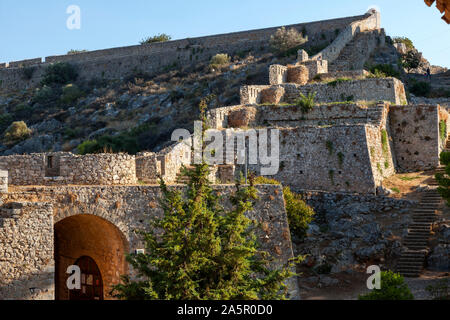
<point>27,265</point>
<point>117,63</point>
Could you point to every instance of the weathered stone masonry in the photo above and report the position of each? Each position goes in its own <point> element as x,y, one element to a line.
<point>26,239</point>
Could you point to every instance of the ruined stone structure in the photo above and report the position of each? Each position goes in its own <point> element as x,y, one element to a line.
<point>59,208</point>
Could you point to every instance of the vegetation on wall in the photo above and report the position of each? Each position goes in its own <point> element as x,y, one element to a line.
<point>443,179</point>
<point>162,37</point>
<point>306,103</point>
<point>443,130</point>
<point>299,214</point>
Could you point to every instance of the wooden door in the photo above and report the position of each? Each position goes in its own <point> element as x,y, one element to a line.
<point>91,281</point>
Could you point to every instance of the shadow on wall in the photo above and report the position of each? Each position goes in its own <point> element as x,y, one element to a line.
<point>33,286</point>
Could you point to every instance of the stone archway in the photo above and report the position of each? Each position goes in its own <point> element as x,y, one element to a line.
<point>92,236</point>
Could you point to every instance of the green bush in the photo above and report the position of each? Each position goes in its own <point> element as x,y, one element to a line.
<point>443,130</point>
<point>393,287</point>
<point>299,214</point>
<point>334,83</point>
<point>16,132</point>
<point>384,71</point>
<point>408,43</point>
<point>420,88</point>
<point>306,103</point>
<point>28,72</point>
<point>162,37</point>
<point>71,93</point>
<point>73,51</point>
<point>286,39</point>
<point>45,95</point>
<point>219,60</point>
<point>59,73</point>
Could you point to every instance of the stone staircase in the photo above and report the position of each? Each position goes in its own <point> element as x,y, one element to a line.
<point>356,52</point>
<point>419,231</point>
<point>416,242</point>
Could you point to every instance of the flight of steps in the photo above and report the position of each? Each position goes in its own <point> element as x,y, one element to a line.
<point>419,231</point>
<point>356,52</point>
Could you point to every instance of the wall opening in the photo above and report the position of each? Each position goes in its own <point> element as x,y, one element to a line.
<point>52,166</point>
<point>98,247</point>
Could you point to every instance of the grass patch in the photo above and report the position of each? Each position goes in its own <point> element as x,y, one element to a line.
<point>406,178</point>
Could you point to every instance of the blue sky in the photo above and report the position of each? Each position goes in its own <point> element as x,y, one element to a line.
<point>31,29</point>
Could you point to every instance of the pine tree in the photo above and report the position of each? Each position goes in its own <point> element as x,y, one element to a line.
<point>202,251</point>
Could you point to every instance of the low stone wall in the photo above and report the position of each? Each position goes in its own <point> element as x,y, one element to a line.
<point>26,251</point>
<point>67,168</point>
<point>415,133</point>
<point>102,169</point>
<point>292,116</point>
<point>148,166</point>
<point>383,89</point>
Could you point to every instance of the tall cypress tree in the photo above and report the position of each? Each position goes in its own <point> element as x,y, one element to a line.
<point>199,251</point>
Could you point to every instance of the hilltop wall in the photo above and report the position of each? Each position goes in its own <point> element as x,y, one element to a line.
<point>117,63</point>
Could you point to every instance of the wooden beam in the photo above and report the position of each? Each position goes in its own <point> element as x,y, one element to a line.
<point>446,16</point>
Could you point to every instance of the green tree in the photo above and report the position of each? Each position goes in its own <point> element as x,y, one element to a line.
<point>392,287</point>
<point>411,60</point>
<point>202,251</point>
<point>59,74</point>
<point>443,179</point>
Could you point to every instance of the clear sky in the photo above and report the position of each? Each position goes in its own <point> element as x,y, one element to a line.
<point>31,29</point>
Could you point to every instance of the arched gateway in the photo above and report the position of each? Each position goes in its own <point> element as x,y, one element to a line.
<point>98,247</point>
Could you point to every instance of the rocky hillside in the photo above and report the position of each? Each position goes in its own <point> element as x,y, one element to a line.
<point>133,114</point>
